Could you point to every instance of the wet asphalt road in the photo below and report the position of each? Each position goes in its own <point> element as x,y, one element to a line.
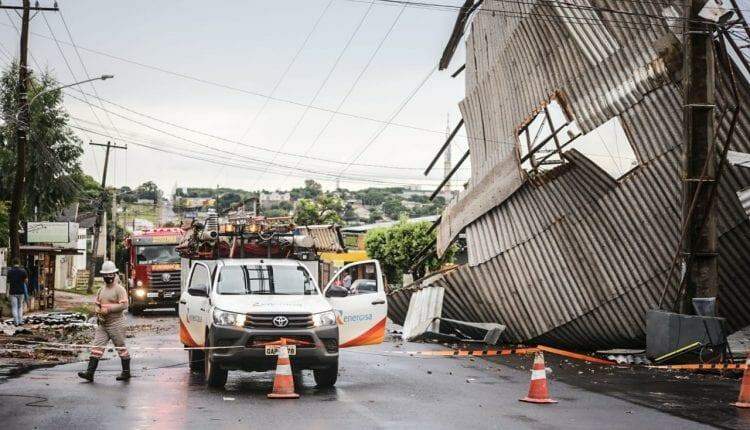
<point>376,389</point>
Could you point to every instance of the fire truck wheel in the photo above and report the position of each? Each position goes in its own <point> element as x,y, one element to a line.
<point>326,377</point>
<point>196,358</point>
<point>215,376</point>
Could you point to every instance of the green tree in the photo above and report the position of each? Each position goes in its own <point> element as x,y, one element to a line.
<point>396,246</point>
<point>4,225</point>
<point>326,209</point>
<point>148,190</point>
<point>228,201</point>
<point>311,190</point>
<point>375,215</point>
<point>53,166</point>
<point>393,208</point>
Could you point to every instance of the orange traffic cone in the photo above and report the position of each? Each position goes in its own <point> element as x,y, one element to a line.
<point>283,382</point>
<point>744,400</point>
<point>538,392</point>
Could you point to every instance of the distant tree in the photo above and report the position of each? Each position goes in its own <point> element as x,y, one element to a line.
<point>393,208</point>
<point>226,201</point>
<point>326,209</point>
<point>311,190</point>
<point>349,214</point>
<point>396,246</point>
<point>148,190</point>
<point>375,215</point>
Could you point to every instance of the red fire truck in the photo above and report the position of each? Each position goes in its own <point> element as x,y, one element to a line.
<point>153,268</point>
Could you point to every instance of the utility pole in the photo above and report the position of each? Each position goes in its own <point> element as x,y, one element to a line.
<point>447,162</point>
<point>99,215</point>
<point>699,250</point>
<point>113,229</point>
<point>22,128</point>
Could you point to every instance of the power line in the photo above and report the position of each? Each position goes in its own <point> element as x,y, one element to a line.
<point>392,117</point>
<point>281,78</point>
<point>83,65</point>
<point>323,83</point>
<point>223,139</point>
<point>222,162</point>
<point>244,91</point>
<point>354,85</point>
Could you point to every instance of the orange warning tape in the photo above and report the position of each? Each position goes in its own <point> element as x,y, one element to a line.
<point>701,367</point>
<point>577,356</point>
<point>473,353</point>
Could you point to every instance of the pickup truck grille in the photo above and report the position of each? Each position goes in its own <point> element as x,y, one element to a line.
<point>266,321</point>
<point>170,279</point>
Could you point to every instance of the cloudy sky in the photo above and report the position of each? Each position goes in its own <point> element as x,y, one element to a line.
<point>190,81</point>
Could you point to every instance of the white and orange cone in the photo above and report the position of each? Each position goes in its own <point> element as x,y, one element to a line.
<point>744,400</point>
<point>283,381</point>
<point>538,391</point>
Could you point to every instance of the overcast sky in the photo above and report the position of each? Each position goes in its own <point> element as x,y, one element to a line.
<point>242,47</point>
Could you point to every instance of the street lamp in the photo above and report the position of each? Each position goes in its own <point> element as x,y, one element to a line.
<point>49,90</point>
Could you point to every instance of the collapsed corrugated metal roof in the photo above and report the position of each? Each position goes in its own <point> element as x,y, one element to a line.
<point>574,256</point>
<point>326,237</point>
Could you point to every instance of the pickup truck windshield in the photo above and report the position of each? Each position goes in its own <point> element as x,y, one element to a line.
<point>265,279</point>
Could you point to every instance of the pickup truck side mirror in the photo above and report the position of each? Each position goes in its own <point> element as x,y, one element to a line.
<point>336,291</point>
<point>198,291</point>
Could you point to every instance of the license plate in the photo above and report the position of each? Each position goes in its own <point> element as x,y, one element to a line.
<point>168,294</point>
<point>274,349</point>
<point>150,295</point>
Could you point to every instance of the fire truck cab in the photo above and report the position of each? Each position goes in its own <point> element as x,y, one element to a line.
<point>153,269</point>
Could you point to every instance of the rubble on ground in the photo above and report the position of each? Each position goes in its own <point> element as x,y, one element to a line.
<point>30,345</point>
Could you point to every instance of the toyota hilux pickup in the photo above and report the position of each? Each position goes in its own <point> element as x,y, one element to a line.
<point>240,308</point>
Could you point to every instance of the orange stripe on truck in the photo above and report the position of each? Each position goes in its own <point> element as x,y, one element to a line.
<point>185,337</point>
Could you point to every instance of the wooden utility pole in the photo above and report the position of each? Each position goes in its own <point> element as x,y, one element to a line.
<point>699,250</point>
<point>113,229</point>
<point>22,129</point>
<point>99,215</point>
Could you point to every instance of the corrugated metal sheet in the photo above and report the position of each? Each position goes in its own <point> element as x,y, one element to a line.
<point>579,259</point>
<point>326,237</point>
<point>425,305</point>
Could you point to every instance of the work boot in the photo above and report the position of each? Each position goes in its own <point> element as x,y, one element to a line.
<point>125,375</point>
<point>89,373</point>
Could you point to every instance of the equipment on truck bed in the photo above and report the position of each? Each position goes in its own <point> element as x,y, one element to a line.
<point>248,236</point>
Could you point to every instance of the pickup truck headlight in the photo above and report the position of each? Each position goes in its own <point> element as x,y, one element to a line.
<point>228,318</point>
<point>322,319</point>
<point>140,293</point>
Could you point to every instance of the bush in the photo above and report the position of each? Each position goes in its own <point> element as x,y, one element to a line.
<point>396,246</point>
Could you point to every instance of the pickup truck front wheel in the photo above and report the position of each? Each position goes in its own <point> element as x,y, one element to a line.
<point>214,375</point>
<point>326,377</point>
<point>196,357</point>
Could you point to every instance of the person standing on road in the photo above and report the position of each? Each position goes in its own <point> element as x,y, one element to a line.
<point>111,301</point>
<point>17,278</point>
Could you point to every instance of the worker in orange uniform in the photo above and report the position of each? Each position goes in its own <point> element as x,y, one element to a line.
<point>111,302</point>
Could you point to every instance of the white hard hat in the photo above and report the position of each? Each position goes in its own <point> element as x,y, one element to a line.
<point>108,267</point>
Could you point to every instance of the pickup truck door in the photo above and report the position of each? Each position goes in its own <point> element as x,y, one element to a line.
<point>361,314</point>
<point>194,319</point>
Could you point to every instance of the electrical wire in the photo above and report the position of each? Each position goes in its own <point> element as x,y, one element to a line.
<point>223,161</point>
<point>281,79</point>
<point>322,85</point>
<point>196,143</point>
<point>353,86</point>
<point>390,119</point>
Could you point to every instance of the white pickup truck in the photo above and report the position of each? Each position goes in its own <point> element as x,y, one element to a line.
<point>238,306</point>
